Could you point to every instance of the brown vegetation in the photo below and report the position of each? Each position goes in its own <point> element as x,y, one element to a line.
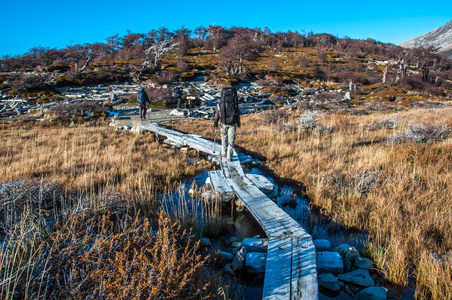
<point>79,218</point>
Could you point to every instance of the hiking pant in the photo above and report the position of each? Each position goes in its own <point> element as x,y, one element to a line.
<point>227,139</point>
<point>142,108</point>
<point>179,99</point>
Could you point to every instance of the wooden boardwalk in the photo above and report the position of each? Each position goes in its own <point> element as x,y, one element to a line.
<point>291,271</point>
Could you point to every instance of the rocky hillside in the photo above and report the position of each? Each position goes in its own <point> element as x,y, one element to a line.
<point>440,37</point>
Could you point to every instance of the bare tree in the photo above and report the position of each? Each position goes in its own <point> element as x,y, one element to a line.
<point>155,52</point>
<point>238,49</point>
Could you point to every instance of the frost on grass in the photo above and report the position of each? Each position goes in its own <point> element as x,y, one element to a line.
<point>359,181</point>
<point>422,133</point>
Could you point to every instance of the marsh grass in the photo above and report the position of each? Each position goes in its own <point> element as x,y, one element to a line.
<point>80,218</point>
<point>400,193</point>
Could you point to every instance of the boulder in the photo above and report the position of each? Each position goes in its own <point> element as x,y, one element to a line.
<point>239,259</point>
<point>322,245</point>
<point>373,293</point>
<point>255,262</point>
<point>178,113</point>
<point>329,261</point>
<point>363,263</point>
<point>226,255</point>
<point>255,244</point>
<point>329,281</point>
<point>359,277</point>
<point>342,249</point>
<point>236,245</point>
<point>351,254</point>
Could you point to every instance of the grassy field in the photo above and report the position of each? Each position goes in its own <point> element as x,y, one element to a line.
<point>79,218</point>
<point>389,173</point>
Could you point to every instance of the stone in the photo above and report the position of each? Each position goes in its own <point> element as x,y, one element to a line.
<point>342,249</point>
<point>359,277</point>
<point>226,255</point>
<point>347,265</point>
<point>373,293</point>
<point>329,261</point>
<point>363,263</point>
<point>127,127</point>
<point>255,262</point>
<point>322,245</point>
<point>255,244</point>
<point>205,242</point>
<point>329,281</point>
<point>245,159</point>
<point>239,259</point>
<point>351,254</point>
<point>236,245</point>
<point>177,113</point>
<point>192,191</point>
<point>231,240</point>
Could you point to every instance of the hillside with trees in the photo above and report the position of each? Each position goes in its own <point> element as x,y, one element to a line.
<point>373,70</point>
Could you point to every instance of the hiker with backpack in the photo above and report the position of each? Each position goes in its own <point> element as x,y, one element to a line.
<point>178,95</point>
<point>143,101</point>
<point>228,114</point>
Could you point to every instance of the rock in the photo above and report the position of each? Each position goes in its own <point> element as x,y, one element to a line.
<point>178,113</point>
<point>342,249</point>
<point>127,127</point>
<point>231,240</point>
<point>359,277</point>
<point>205,242</point>
<point>363,263</point>
<point>322,245</point>
<point>239,203</point>
<point>236,245</point>
<point>240,209</point>
<point>347,265</point>
<point>226,255</point>
<point>245,159</point>
<point>351,254</point>
<point>239,259</point>
<point>255,262</point>
<point>373,293</point>
<point>192,191</point>
<point>255,244</point>
<point>329,261</point>
<point>329,281</point>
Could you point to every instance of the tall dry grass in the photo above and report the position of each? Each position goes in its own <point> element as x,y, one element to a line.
<point>79,218</point>
<point>356,174</point>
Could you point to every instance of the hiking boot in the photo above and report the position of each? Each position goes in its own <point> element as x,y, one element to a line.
<point>222,155</point>
<point>229,159</point>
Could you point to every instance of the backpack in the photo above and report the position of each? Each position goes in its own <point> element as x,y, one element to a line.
<point>142,97</point>
<point>229,106</point>
<point>177,93</point>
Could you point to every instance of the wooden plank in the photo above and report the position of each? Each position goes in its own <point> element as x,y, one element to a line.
<point>304,283</point>
<point>278,269</point>
<point>261,182</point>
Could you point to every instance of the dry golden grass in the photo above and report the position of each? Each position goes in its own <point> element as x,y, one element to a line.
<point>401,193</point>
<point>86,158</point>
<point>74,208</point>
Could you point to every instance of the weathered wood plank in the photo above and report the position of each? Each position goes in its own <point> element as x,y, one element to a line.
<point>304,283</point>
<point>277,284</point>
<point>261,182</point>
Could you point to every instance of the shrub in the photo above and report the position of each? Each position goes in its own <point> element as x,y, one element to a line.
<point>421,133</point>
<point>166,77</point>
<point>31,81</point>
<point>160,96</point>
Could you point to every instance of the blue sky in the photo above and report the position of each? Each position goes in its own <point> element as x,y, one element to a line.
<point>25,24</point>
